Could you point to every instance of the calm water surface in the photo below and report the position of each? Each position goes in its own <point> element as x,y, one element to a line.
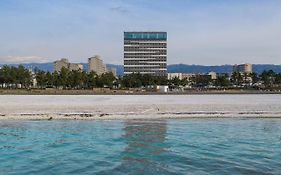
<point>190,146</point>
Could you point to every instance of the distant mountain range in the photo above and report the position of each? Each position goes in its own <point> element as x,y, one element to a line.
<point>258,68</point>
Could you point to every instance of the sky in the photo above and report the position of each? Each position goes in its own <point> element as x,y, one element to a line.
<point>205,32</point>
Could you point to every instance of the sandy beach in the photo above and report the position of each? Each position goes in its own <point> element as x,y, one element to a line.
<point>110,107</point>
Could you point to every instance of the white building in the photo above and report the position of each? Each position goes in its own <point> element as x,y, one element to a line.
<point>163,89</point>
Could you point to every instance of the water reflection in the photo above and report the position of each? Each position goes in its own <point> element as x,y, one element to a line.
<point>145,148</point>
<point>144,139</point>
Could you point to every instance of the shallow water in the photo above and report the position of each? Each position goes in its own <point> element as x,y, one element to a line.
<point>190,146</point>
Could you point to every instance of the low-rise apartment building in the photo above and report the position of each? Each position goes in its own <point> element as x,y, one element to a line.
<point>243,68</point>
<point>64,63</point>
<point>182,76</point>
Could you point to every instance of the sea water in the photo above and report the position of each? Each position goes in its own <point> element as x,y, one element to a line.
<point>178,146</point>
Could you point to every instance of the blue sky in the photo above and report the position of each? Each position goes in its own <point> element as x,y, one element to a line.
<point>208,32</point>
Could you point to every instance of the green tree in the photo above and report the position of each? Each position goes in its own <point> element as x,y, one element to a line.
<point>222,81</point>
<point>278,79</point>
<point>255,77</point>
<point>132,80</point>
<point>91,80</point>
<point>41,78</point>
<point>13,76</point>
<point>49,79</point>
<point>237,78</point>
<point>56,79</point>
<point>268,78</point>
<point>175,81</point>
<point>74,79</point>
<point>107,79</point>
<point>63,77</point>
<point>201,80</point>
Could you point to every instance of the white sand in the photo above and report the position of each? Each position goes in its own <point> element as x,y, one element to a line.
<point>36,107</point>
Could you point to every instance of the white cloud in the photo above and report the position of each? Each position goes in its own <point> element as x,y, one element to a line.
<point>22,59</point>
<point>119,9</point>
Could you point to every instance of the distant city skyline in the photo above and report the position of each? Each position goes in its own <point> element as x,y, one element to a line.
<point>200,32</point>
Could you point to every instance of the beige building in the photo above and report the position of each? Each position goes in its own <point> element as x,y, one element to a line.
<point>112,70</point>
<point>189,75</point>
<point>96,65</point>
<point>174,75</point>
<point>213,75</point>
<point>58,65</point>
<point>243,68</point>
<point>182,76</point>
<point>74,66</point>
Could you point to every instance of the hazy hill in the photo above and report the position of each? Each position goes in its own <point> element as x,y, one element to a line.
<point>199,68</point>
<point>41,66</point>
<point>258,68</point>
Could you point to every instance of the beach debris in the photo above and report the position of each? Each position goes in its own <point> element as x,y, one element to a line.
<point>101,115</point>
<point>86,115</point>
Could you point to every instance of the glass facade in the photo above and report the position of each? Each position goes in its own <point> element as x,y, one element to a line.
<point>145,35</point>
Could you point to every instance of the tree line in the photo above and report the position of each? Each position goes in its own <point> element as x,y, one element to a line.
<point>12,77</point>
<point>15,76</point>
<point>74,79</point>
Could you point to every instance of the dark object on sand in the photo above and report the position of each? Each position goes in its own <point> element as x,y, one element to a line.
<point>101,115</point>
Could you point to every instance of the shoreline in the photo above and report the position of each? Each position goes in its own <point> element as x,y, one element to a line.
<point>128,92</point>
<point>130,115</point>
<point>149,107</point>
<point>49,117</point>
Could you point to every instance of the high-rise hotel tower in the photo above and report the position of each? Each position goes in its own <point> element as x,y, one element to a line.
<point>145,53</point>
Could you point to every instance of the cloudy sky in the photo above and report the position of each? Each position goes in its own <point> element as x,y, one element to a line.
<point>208,32</point>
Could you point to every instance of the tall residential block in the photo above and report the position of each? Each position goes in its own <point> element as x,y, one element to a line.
<point>145,53</point>
<point>96,65</point>
<point>243,68</point>
<point>58,65</point>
